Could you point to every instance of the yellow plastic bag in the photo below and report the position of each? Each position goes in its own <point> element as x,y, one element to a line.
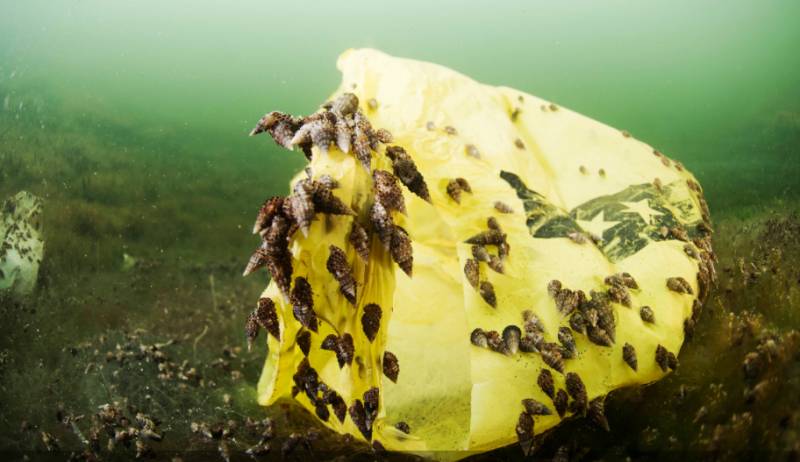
<point>552,259</point>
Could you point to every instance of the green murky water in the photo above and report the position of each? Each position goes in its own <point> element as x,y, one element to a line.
<point>130,121</point>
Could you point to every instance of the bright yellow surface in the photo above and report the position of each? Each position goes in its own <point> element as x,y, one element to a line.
<point>456,396</point>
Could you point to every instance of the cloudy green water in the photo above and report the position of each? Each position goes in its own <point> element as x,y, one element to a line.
<point>130,120</point>
<point>704,83</point>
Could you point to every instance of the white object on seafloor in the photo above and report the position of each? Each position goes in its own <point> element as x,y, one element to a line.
<point>21,243</point>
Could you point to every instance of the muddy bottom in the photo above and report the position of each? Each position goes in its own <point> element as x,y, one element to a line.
<point>115,357</point>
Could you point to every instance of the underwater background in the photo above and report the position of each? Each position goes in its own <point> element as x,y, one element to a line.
<point>130,121</point>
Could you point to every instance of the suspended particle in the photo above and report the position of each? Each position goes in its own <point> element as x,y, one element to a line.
<point>371,320</point>
<point>493,224</point>
<point>629,356</point>
<point>487,293</point>
<point>553,107</point>
<point>534,407</point>
<point>625,134</point>
<point>502,207</point>
<point>515,114</point>
<point>647,314</point>
<point>519,144</point>
<point>464,184</point>
<point>372,104</point>
<point>338,266</point>
<point>546,382</point>
<point>511,338</point>
<point>450,130</point>
<point>391,367</point>
<point>403,427</point>
<point>583,170</point>
<point>577,390</point>
<point>472,272</point>
<point>359,239</point>
<point>597,412</point>
<point>303,304</point>
<point>304,341</point>
<point>430,126</point>
<point>602,173</point>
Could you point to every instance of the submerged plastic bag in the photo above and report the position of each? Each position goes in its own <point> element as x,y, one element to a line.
<point>21,243</point>
<point>463,266</point>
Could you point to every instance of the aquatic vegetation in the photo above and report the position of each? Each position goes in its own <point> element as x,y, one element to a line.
<point>552,280</point>
<point>184,203</point>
